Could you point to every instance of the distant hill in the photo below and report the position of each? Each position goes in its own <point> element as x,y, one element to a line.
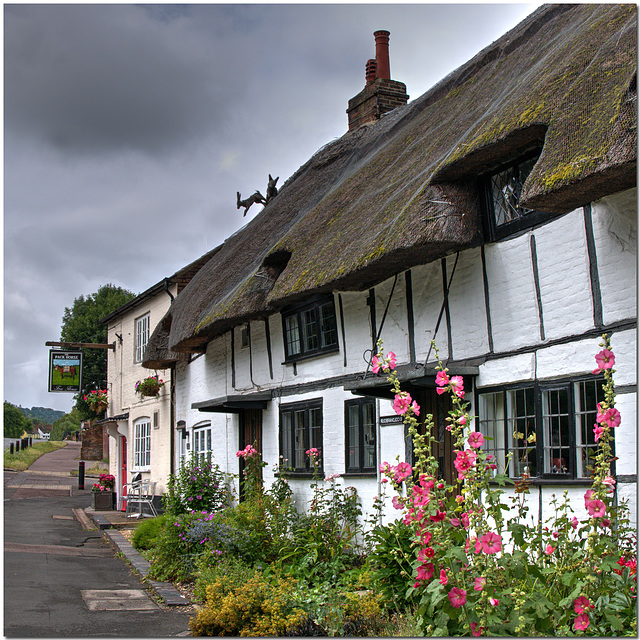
<point>42,414</point>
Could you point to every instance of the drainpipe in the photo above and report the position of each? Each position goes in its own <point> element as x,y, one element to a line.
<point>167,282</point>
<point>172,418</point>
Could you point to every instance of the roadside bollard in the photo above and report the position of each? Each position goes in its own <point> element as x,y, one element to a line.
<point>11,448</point>
<point>17,446</point>
<point>81,475</point>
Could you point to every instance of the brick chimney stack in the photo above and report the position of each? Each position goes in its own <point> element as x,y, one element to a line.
<point>380,94</point>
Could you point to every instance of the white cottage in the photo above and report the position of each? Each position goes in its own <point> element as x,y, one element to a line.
<point>496,214</point>
<point>140,427</point>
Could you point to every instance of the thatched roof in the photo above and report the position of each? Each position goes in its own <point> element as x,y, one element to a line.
<point>404,191</point>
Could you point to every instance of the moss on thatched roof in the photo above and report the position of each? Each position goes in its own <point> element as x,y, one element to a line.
<point>404,191</point>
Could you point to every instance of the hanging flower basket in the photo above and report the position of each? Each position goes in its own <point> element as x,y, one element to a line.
<point>149,386</point>
<point>97,401</point>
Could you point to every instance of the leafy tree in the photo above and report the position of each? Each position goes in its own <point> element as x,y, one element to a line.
<point>68,424</point>
<point>15,422</point>
<point>42,415</point>
<point>81,323</point>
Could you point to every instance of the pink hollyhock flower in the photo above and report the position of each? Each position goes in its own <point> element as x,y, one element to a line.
<point>402,403</point>
<point>396,503</point>
<point>425,553</point>
<point>455,522</point>
<point>479,584</point>
<point>581,622</point>
<point>476,439</point>
<point>476,631</point>
<point>494,602</point>
<point>392,360</point>
<point>596,508</point>
<point>597,432</point>
<point>549,549</point>
<point>605,522</point>
<point>575,522</point>
<point>609,481</point>
<point>416,408</point>
<point>385,467</point>
<point>443,577</point>
<point>426,482</point>
<point>491,542</point>
<point>426,571</point>
<point>610,417</point>
<point>588,497</point>
<point>462,420</point>
<point>402,471</point>
<point>442,379</point>
<point>464,517</point>
<point>457,386</point>
<point>375,364</point>
<point>605,360</point>
<point>439,517</point>
<point>457,597</point>
<point>464,461</point>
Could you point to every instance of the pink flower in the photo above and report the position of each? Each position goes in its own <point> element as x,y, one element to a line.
<point>464,517</point>
<point>439,517</point>
<point>462,420</point>
<point>491,542</point>
<point>479,584</point>
<point>375,364</point>
<point>392,360</point>
<point>402,470</point>
<point>457,386</point>
<point>416,408</point>
<point>396,503</point>
<point>464,461</point>
<point>457,597</point>
<point>605,360</point>
<point>549,549</point>
<point>494,602</point>
<point>597,432</point>
<point>588,497</point>
<point>443,577</point>
<point>442,379</point>
<point>574,522</point>
<point>425,553</point>
<point>581,622</point>
<point>455,522</point>
<point>426,571</point>
<point>476,631</point>
<point>610,417</point>
<point>596,508</point>
<point>476,439</point>
<point>402,403</point>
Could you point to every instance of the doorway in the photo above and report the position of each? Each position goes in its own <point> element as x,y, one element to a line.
<point>250,434</point>
<point>123,473</point>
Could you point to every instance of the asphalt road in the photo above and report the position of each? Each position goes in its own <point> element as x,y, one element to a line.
<point>61,581</point>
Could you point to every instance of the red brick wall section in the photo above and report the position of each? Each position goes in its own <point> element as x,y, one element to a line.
<point>92,442</point>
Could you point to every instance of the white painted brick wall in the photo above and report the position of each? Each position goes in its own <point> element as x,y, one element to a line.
<point>427,302</point>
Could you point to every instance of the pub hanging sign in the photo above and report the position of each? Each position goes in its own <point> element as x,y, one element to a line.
<point>65,371</point>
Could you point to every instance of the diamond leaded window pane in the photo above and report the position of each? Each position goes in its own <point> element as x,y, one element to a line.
<point>506,190</point>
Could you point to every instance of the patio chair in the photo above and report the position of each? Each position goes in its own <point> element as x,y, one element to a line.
<point>140,494</point>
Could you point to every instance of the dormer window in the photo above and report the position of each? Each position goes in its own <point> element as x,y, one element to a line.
<point>310,329</point>
<point>502,192</point>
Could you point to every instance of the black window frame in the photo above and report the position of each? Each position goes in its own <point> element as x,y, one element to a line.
<point>494,231</point>
<point>361,467</point>
<point>540,390</point>
<point>310,310</point>
<point>287,436</point>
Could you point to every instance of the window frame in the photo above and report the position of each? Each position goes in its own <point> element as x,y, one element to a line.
<point>142,444</point>
<point>574,445</point>
<point>494,231</point>
<point>298,312</point>
<point>202,434</point>
<point>287,439</point>
<point>142,325</point>
<point>360,468</point>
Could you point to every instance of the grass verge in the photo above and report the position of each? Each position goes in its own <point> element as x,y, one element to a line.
<point>26,457</point>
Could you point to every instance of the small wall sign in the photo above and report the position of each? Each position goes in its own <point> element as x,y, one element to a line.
<point>65,371</point>
<point>386,421</point>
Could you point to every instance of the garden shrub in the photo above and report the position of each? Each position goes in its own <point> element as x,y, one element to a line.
<point>145,534</point>
<point>258,607</point>
<point>198,485</point>
<point>213,565</point>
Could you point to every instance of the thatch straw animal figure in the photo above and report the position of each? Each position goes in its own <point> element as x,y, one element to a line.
<point>256,197</point>
<point>272,192</point>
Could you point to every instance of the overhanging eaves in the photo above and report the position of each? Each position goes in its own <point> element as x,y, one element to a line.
<point>234,404</point>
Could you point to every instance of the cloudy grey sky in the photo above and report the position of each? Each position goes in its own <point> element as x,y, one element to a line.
<point>129,129</point>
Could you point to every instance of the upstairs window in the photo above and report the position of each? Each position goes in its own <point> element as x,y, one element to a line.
<point>546,427</point>
<point>502,192</point>
<point>142,336</point>
<point>310,329</point>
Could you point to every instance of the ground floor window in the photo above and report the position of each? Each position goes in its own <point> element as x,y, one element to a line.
<point>142,444</point>
<point>202,440</point>
<point>545,428</point>
<point>360,435</point>
<point>300,430</point>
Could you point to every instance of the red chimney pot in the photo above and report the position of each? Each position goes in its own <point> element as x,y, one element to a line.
<point>370,71</point>
<point>382,54</point>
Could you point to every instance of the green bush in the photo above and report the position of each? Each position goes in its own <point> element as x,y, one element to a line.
<point>214,565</point>
<point>199,485</point>
<point>145,534</point>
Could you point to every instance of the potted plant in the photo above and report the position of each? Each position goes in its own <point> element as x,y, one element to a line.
<point>102,494</point>
<point>149,386</point>
<point>97,401</point>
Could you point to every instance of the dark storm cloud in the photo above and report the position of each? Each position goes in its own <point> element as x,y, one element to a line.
<point>129,129</point>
